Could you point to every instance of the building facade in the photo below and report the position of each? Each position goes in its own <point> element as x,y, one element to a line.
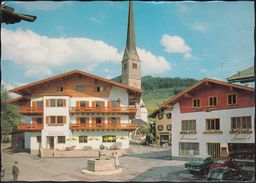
<point>76,109</point>
<point>213,118</point>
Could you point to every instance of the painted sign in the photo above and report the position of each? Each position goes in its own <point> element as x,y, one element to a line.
<point>241,139</point>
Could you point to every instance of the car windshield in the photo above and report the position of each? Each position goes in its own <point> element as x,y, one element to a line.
<point>198,159</point>
<point>219,161</point>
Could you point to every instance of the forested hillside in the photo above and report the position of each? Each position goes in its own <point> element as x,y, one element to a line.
<point>156,90</point>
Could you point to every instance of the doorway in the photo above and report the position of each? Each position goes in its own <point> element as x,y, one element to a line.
<point>50,142</point>
<point>213,149</point>
<point>164,139</point>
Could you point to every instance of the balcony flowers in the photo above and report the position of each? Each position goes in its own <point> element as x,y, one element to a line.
<point>188,132</point>
<point>93,139</point>
<point>213,132</point>
<point>241,130</point>
<point>122,138</point>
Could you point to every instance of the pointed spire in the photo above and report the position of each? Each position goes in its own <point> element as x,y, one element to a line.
<point>130,50</point>
<point>130,42</point>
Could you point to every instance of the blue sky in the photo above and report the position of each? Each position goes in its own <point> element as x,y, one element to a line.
<point>174,39</point>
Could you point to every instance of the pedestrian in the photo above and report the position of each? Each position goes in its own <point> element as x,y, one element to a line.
<point>116,160</point>
<point>15,171</point>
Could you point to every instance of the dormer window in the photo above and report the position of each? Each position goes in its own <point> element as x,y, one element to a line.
<point>99,89</point>
<point>196,103</point>
<point>212,101</point>
<point>232,99</point>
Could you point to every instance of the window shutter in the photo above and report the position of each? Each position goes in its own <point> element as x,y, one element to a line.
<point>93,104</point>
<point>77,103</point>
<point>109,122</point>
<point>86,103</point>
<point>47,102</point>
<point>64,119</point>
<point>47,119</point>
<point>77,120</point>
<point>64,103</point>
<point>34,104</point>
<point>102,104</point>
<point>87,121</point>
<point>33,120</point>
<point>118,121</point>
<point>109,104</point>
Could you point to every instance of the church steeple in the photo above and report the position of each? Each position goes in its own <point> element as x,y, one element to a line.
<point>131,69</point>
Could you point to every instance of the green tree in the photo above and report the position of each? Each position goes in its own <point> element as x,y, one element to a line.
<point>10,116</point>
<point>148,129</point>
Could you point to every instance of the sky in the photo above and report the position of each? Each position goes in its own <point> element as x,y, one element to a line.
<point>174,39</point>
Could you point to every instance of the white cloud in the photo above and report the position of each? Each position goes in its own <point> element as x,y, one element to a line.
<point>152,64</point>
<point>95,20</point>
<point>39,54</point>
<point>175,44</point>
<point>10,86</point>
<point>43,5</point>
<point>182,8</point>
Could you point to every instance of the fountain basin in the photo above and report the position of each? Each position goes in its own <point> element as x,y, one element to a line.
<point>97,165</point>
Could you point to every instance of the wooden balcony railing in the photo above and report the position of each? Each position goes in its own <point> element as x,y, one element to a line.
<point>129,127</point>
<point>30,127</point>
<point>31,110</point>
<point>103,109</point>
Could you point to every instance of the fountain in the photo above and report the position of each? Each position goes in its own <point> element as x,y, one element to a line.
<point>101,166</point>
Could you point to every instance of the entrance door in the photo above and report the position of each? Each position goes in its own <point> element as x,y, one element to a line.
<point>50,142</point>
<point>164,139</point>
<point>213,149</point>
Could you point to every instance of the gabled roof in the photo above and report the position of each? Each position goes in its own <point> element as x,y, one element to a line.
<point>244,76</point>
<point>19,89</point>
<point>177,97</point>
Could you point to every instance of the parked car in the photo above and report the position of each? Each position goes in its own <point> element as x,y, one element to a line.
<point>226,162</point>
<point>199,164</point>
<point>224,174</point>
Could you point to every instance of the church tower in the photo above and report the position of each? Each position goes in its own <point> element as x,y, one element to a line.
<point>131,64</point>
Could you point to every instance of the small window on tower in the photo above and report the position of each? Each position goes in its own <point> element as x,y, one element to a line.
<point>134,66</point>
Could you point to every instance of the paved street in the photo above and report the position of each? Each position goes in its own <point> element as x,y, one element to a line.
<point>142,164</point>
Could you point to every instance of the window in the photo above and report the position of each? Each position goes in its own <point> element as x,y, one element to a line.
<point>213,124</point>
<point>244,122</point>
<point>39,120</point>
<point>82,120</point>
<point>98,104</point>
<point>134,66</point>
<point>52,119</point>
<point>212,101</point>
<point>169,115</point>
<point>98,120</point>
<point>160,116</point>
<point>213,149</point>
<point>59,102</point>
<point>160,127</point>
<point>52,102</point>
<point>59,119</point>
<point>38,139</point>
<point>169,127</point>
<point>99,89</point>
<point>39,103</point>
<point>109,138</point>
<point>82,139</point>
<point>80,88</point>
<point>232,99</point>
<point>113,120</point>
<point>82,103</point>
<point>188,148</point>
<point>61,89</point>
<point>188,125</point>
<point>61,140</point>
<point>196,103</point>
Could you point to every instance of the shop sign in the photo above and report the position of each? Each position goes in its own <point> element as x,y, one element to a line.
<point>241,139</point>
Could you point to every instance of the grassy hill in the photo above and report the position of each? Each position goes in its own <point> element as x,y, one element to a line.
<point>156,90</point>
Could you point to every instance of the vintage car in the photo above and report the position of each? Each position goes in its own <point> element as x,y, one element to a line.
<point>199,164</point>
<point>224,174</point>
<point>226,162</point>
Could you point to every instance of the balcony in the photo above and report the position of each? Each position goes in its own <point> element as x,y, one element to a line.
<point>131,109</point>
<point>30,127</point>
<point>108,126</point>
<point>29,111</point>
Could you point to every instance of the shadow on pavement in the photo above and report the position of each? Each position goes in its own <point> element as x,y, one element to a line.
<point>165,155</point>
<point>166,173</point>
